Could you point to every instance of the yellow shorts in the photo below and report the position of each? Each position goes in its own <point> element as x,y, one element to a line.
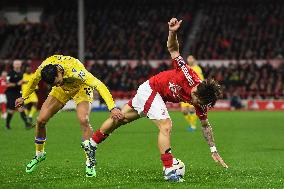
<point>32,98</point>
<point>186,105</point>
<point>82,93</point>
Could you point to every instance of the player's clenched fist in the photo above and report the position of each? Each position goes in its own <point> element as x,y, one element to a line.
<point>174,24</point>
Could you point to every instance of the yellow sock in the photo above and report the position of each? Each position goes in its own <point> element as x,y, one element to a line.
<point>32,112</point>
<point>27,111</point>
<point>39,144</point>
<point>187,118</point>
<point>192,120</point>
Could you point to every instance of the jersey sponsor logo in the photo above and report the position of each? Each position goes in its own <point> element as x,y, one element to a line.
<point>184,69</point>
<point>174,89</point>
<point>82,75</point>
<point>74,70</point>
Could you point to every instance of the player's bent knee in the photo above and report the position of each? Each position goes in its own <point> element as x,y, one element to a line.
<point>166,129</point>
<point>84,122</point>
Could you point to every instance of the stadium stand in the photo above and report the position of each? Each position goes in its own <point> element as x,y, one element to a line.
<point>240,30</point>
<point>133,31</point>
<point>110,33</point>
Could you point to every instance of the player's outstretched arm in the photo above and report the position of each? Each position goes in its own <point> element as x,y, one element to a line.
<point>208,135</point>
<point>30,88</point>
<point>172,43</point>
<point>92,81</point>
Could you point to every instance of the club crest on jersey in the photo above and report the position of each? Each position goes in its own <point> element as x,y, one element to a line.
<point>174,89</point>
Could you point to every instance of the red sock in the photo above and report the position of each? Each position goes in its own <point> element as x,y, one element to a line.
<point>98,136</point>
<point>167,159</point>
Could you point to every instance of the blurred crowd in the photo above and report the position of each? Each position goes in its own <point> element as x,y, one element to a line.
<point>126,30</point>
<point>249,80</point>
<point>246,80</point>
<point>113,30</point>
<point>243,80</point>
<point>240,30</point>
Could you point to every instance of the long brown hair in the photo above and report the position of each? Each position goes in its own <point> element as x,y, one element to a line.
<point>208,92</point>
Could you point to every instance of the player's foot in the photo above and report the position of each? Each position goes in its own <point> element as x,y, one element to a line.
<point>90,171</point>
<point>90,152</point>
<point>8,127</point>
<point>171,175</point>
<point>191,129</point>
<point>34,162</point>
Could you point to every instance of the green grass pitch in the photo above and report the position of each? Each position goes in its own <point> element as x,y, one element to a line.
<point>251,143</point>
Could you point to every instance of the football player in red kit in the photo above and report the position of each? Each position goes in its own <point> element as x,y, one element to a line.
<point>3,99</point>
<point>180,84</point>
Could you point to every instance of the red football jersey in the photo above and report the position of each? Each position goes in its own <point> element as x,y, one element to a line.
<point>175,85</point>
<point>3,85</point>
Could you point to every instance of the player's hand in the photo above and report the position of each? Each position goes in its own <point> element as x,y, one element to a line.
<point>20,82</point>
<point>116,114</point>
<point>174,24</point>
<point>19,102</point>
<point>217,158</point>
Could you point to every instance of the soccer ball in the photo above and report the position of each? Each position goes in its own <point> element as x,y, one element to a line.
<point>179,166</point>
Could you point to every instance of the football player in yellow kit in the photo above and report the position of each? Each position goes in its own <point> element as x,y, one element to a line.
<point>31,102</point>
<point>70,80</point>
<point>187,109</point>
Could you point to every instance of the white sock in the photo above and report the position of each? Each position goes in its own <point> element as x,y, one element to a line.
<point>93,143</point>
<point>87,162</point>
<point>39,153</point>
<point>86,142</point>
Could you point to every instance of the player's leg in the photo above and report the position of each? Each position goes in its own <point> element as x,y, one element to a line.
<point>30,110</point>
<point>164,136</point>
<point>27,107</point>
<point>33,110</point>
<point>189,115</point>
<point>83,112</point>
<point>4,110</point>
<point>9,118</point>
<point>164,144</point>
<point>83,98</point>
<point>3,102</point>
<point>110,125</point>
<point>50,107</point>
<point>159,114</point>
<point>192,118</point>
<point>10,109</point>
<point>32,106</point>
<point>24,118</point>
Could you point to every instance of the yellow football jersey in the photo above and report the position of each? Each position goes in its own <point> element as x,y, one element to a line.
<point>33,97</point>
<point>74,75</point>
<point>26,78</point>
<point>198,70</point>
